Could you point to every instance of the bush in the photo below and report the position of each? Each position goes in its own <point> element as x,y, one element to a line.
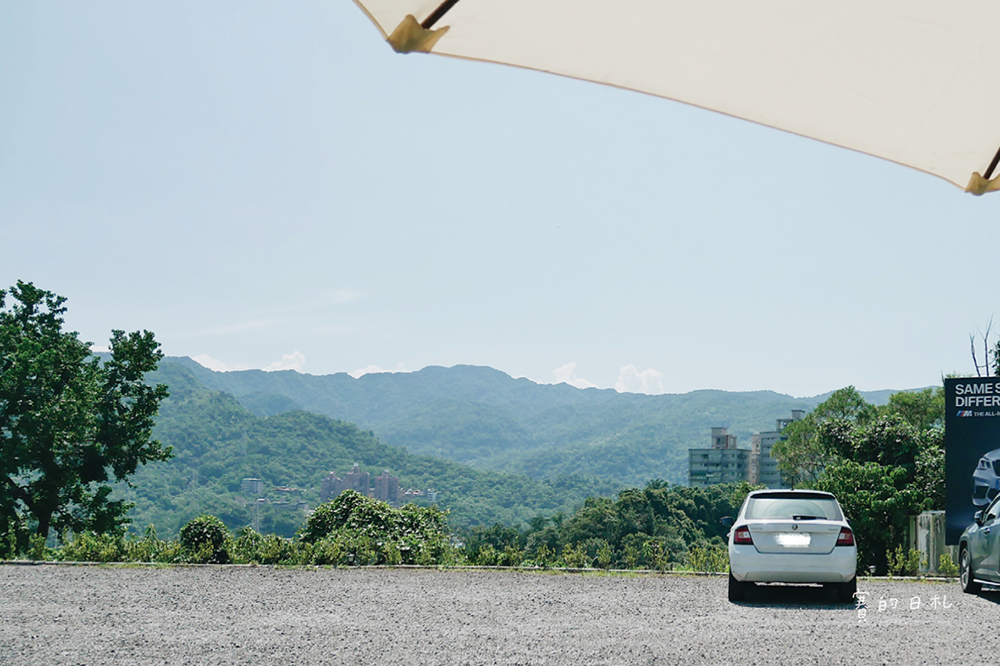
<point>205,539</point>
<point>605,555</point>
<point>902,563</point>
<point>708,558</point>
<point>575,557</point>
<point>510,557</point>
<point>14,536</point>
<point>94,547</point>
<point>486,556</point>
<point>254,548</point>
<point>148,548</point>
<point>544,556</point>
<point>350,510</point>
<point>947,566</point>
<point>91,547</point>
<point>356,530</point>
<point>37,549</point>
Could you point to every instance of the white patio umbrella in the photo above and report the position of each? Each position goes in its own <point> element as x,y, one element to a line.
<point>916,82</point>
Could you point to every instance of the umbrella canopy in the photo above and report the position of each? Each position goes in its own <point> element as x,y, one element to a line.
<point>916,82</point>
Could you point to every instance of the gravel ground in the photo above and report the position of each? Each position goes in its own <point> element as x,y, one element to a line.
<point>51,614</point>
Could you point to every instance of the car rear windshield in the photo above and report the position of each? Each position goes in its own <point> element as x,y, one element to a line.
<point>798,507</point>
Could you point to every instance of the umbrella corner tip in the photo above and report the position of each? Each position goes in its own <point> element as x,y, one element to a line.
<point>978,185</point>
<point>410,37</point>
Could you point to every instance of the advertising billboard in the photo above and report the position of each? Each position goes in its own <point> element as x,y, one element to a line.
<point>972,449</point>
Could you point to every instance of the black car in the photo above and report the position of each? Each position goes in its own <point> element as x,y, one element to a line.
<point>979,550</point>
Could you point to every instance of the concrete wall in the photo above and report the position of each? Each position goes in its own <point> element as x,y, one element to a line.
<point>927,535</point>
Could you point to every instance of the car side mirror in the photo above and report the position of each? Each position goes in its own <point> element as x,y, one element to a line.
<point>727,521</point>
<point>978,517</point>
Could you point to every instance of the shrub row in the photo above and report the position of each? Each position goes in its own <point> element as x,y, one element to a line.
<point>351,530</point>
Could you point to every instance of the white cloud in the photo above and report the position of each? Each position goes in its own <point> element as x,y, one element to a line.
<point>294,361</point>
<point>217,365</point>
<point>100,349</point>
<point>342,296</point>
<point>374,369</point>
<point>630,380</point>
<point>567,375</point>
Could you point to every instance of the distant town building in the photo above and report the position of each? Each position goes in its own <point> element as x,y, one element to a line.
<point>754,474</point>
<point>354,480</point>
<point>724,462</point>
<point>767,472</point>
<point>386,488</point>
<point>722,440</point>
<point>383,487</point>
<point>252,486</point>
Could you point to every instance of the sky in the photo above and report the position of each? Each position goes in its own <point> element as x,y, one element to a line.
<point>268,185</point>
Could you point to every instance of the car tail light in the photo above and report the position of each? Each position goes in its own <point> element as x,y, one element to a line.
<point>846,537</point>
<point>742,536</point>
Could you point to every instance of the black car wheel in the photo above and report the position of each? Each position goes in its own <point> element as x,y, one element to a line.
<point>737,590</point>
<point>969,585</point>
<point>846,591</point>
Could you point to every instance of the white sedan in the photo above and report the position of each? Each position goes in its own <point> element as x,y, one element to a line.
<point>791,536</point>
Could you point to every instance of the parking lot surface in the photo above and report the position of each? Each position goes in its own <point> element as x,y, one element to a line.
<point>51,614</point>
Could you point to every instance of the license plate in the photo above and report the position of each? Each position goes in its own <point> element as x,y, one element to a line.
<point>792,540</point>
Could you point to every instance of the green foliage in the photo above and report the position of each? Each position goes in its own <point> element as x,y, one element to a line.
<point>14,536</point>
<point>251,547</point>
<point>887,440</point>
<point>708,558</point>
<point>903,563</point>
<point>544,556</point>
<point>71,426</point>
<point>111,547</point>
<point>488,545</point>
<point>645,528</point>
<point>36,548</point>
<point>924,410</point>
<point>206,538</point>
<point>883,464</point>
<point>93,547</point>
<point>947,566</point>
<point>574,556</point>
<point>877,501</point>
<point>928,479</point>
<point>605,555</point>
<point>361,530</point>
<point>484,556</point>
<point>810,444</point>
<point>512,556</point>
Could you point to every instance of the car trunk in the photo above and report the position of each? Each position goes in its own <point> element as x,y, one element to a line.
<point>795,536</point>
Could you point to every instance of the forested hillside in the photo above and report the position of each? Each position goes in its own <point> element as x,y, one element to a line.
<point>217,442</point>
<point>487,419</point>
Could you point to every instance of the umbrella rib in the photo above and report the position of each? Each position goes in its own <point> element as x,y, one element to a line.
<point>436,15</point>
<point>992,166</point>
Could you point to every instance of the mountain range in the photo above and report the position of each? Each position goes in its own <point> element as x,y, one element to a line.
<point>484,418</point>
<point>499,449</point>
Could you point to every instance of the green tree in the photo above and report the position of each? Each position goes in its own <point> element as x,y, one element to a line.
<point>929,477</point>
<point>802,454</point>
<point>886,440</point>
<point>877,501</point>
<point>921,409</point>
<point>70,424</point>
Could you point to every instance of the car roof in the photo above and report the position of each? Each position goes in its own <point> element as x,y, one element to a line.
<point>791,494</point>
